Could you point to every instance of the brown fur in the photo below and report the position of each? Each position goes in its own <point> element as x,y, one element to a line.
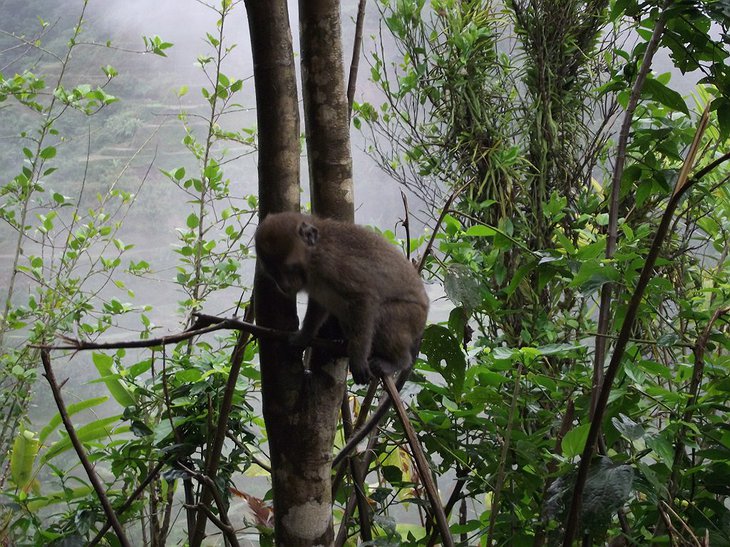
<point>357,276</point>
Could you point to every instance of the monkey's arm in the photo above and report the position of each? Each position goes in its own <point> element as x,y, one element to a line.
<point>313,320</point>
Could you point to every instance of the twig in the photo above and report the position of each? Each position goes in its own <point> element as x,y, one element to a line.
<point>420,458</point>
<point>444,212</point>
<point>214,451</point>
<point>211,323</point>
<point>357,472</point>
<point>694,390</point>
<point>79,448</point>
<point>152,475</point>
<point>355,63</point>
<point>222,522</point>
<point>499,483</point>
<point>604,310</point>
<point>683,523</point>
<point>263,465</point>
<point>453,498</point>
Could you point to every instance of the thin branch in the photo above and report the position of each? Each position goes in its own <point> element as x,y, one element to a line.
<point>79,448</point>
<point>421,463</point>
<point>152,475</point>
<point>203,325</point>
<point>682,186</point>
<point>222,522</point>
<point>604,311</point>
<point>694,389</point>
<point>506,444</point>
<point>444,212</point>
<point>214,451</point>
<point>357,472</point>
<point>451,502</point>
<point>356,46</point>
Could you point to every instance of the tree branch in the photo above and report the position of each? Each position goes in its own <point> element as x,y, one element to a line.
<point>203,325</point>
<point>421,463</point>
<point>604,311</point>
<point>152,475</point>
<point>79,448</point>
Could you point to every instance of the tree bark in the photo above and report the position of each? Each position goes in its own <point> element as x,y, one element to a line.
<point>326,110</point>
<point>300,440</point>
<point>327,127</point>
<point>300,407</point>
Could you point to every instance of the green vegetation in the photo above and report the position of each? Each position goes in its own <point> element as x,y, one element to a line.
<point>540,136</point>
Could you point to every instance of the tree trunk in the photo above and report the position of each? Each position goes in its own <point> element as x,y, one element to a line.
<point>325,109</point>
<point>300,409</point>
<point>330,175</point>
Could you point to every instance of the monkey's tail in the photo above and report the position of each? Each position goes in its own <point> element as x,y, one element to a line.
<point>374,420</point>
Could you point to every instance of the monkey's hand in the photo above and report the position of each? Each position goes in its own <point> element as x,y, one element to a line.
<point>360,372</point>
<point>300,340</point>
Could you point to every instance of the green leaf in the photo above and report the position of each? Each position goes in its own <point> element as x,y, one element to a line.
<point>504,354</point>
<point>480,230</point>
<point>575,440</point>
<point>723,118</point>
<point>657,91</point>
<point>628,427</point>
<point>64,496</point>
<point>72,409</point>
<point>444,354</point>
<point>192,221</point>
<point>104,364</point>
<point>592,275</point>
<point>48,152</point>
<point>662,447</point>
<point>22,458</point>
<point>98,429</point>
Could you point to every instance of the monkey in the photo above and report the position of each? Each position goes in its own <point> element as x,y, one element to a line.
<point>356,276</point>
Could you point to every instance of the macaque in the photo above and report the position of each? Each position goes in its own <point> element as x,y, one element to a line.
<point>356,276</point>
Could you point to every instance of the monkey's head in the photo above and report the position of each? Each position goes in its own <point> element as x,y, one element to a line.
<point>283,244</point>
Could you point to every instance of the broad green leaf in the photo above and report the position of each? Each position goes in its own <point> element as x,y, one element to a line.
<point>575,440</point>
<point>22,458</point>
<point>72,409</point>
<point>657,91</point>
<point>592,275</point>
<point>444,354</point>
<point>103,364</point>
<point>98,429</point>
<point>48,152</point>
<point>662,447</point>
<point>723,118</point>
<point>62,496</point>
<point>480,230</point>
<point>628,427</point>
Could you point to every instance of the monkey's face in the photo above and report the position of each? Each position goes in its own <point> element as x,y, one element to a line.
<point>290,277</point>
<point>283,243</point>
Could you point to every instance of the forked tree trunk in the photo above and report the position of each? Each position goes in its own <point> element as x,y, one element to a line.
<point>300,410</point>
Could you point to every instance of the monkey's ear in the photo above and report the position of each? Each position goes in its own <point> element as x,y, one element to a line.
<point>308,233</point>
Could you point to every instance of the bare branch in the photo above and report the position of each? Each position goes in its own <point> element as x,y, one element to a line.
<point>79,448</point>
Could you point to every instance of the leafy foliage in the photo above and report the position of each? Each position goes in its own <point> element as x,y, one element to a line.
<point>513,109</point>
<point>505,400</point>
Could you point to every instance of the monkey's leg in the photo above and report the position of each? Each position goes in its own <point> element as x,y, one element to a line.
<point>360,329</point>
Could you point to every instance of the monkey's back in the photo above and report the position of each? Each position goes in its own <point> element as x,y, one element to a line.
<point>358,261</point>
